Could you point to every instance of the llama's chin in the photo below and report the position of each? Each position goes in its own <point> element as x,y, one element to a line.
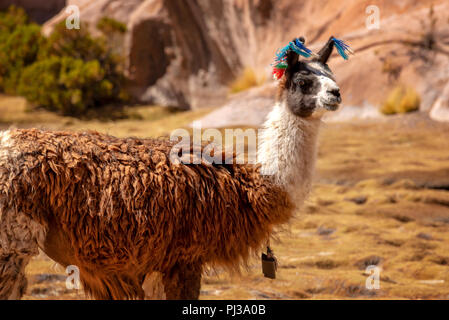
<point>327,104</point>
<point>331,106</point>
<point>323,108</point>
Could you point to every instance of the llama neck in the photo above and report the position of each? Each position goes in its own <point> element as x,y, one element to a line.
<point>287,151</point>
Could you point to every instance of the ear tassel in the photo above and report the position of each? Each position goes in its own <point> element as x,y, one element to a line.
<point>297,46</point>
<point>342,48</point>
<point>280,63</point>
<point>279,70</point>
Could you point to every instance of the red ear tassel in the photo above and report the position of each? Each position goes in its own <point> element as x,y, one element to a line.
<point>278,73</point>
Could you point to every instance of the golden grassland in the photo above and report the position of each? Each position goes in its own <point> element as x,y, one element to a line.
<point>139,121</point>
<point>381,197</point>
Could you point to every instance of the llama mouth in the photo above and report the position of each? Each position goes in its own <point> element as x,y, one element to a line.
<point>331,106</point>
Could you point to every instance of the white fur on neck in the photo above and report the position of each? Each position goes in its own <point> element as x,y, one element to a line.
<point>287,151</point>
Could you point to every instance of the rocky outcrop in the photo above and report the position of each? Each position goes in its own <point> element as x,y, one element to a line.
<point>185,53</point>
<point>364,79</point>
<point>181,53</point>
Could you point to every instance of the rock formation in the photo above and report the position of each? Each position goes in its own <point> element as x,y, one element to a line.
<point>185,53</point>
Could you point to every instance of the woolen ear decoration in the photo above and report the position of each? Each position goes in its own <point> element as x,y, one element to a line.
<point>342,48</point>
<point>280,61</point>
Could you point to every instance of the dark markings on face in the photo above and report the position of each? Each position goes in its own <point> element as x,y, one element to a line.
<point>303,85</point>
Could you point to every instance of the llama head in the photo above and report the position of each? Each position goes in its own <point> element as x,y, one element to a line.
<point>308,87</point>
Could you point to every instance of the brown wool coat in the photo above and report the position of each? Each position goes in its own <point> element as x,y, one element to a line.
<point>119,209</point>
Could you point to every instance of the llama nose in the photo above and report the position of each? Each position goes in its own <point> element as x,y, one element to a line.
<point>335,92</point>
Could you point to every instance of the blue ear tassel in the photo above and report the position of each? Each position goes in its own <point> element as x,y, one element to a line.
<point>297,46</point>
<point>280,62</point>
<point>342,48</point>
<point>300,48</point>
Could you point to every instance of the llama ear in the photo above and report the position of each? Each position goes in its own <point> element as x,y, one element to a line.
<point>292,55</point>
<point>287,57</point>
<point>292,61</point>
<point>326,51</point>
<point>292,58</point>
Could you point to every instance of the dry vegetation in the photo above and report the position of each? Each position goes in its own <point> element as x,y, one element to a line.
<point>246,80</point>
<point>381,197</point>
<point>142,121</point>
<point>401,99</point>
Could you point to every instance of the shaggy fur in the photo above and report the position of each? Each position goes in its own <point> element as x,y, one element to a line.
<point>119,209</point>
<point>130,218</point>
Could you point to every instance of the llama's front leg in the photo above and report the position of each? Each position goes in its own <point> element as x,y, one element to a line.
<point>153,286</point>
<point>13,282</point>
<point>19,236</point>
<point>182,282</point>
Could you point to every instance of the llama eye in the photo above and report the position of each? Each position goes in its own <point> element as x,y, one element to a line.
<point>304,84</point>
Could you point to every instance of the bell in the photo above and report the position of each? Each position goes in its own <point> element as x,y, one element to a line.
<point>269,264</point>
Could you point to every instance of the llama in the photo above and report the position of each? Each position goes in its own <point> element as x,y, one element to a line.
<point>137,225</point>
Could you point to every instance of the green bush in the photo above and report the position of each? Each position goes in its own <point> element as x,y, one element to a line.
<point>66,84</point>
<point>75,43</point>
<point>78,44</point>
<point>108,25</point>
<point>69,72</point>
<point>19,47</point>
<point>11,18</point>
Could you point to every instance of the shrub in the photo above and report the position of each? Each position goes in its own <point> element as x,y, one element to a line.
<point>401,99</point>
<point>75,43</point>
<point>108,25</point>
<point>11,18</point>
<point>19,47</point>
<point>246,80</point>
<point>79,44</point>
<point>66,84</point>
<point>69,72</point>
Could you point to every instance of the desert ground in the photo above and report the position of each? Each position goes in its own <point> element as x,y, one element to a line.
<point>381,197</point>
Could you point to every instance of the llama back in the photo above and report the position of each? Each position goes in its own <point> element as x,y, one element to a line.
<point>123,201</point>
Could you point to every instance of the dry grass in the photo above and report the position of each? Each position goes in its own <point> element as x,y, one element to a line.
<point>370,205</point>
<point>142,121</point>
<point>401,99</point>
<point>246,80</point>
<point>380,197</point>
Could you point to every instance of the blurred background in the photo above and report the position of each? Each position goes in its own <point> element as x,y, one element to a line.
<point>146,67</point>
